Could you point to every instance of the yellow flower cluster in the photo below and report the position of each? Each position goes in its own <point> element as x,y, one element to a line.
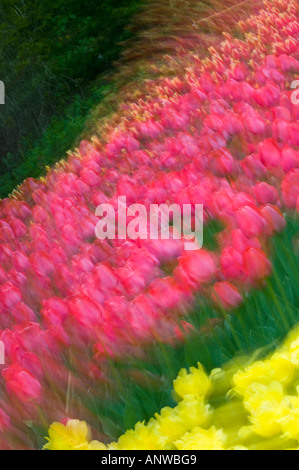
<point>74,435</point>
<point>246,405</point>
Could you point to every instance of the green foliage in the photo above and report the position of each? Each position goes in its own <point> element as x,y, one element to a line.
<point>52,55</point>
<point>62,133</point>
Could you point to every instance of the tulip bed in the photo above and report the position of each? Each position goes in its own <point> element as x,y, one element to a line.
<point>74,309</point>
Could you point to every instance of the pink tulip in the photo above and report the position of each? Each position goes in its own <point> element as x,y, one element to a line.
<point>9,295</point>
<point>265,193</point>
<point>196,267</point>
<point>22,384</point>
<point>290,188</point>
<point>270,153</point>
<point>290,159</point>
<point>231,263</point>
<point>256,264</point>
<point>227,294</point>
<point>4,421</point>
<point>275,221</point>
<point>250,221</point>
<point>85,311</point>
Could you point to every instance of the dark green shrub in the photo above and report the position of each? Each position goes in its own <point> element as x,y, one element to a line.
<point>51,55</point>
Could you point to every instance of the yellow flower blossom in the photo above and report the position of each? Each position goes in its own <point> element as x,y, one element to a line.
<point>294,353</point>
<point>290,421</point>
<point>142,437</point>
<point>279,368</point>
<point>257,372</point>
<point>170,423</point>
<point>72,436</point>
<point>238,448</point>
<point>195,383</point>
<point>96,445</point>
<point>291,337</point>
<point>193,411</point>
<point>202,439</point>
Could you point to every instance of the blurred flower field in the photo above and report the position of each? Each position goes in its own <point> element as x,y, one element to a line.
<point>141,344</point>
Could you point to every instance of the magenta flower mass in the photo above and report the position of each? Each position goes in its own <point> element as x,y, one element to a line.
<point>223,133</point>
